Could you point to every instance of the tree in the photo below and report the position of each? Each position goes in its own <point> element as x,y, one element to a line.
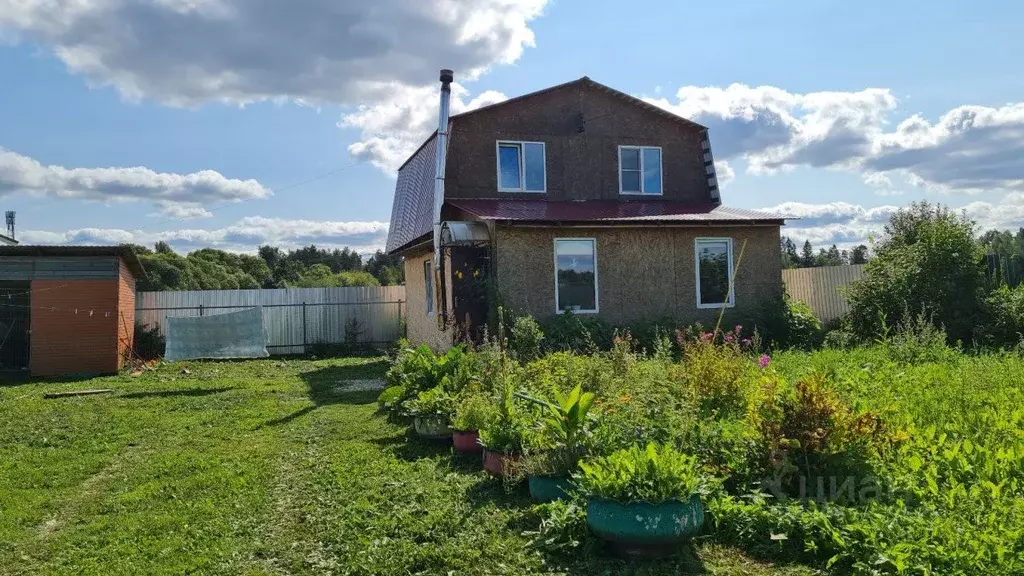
<point>859,254</point>
<point>162,247</point>
<point>790,258</point>
<point>928,262</point>
<point>807,259</point>
<point>388,270</point>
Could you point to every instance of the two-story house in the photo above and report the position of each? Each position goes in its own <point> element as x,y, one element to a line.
<point>575,197</point>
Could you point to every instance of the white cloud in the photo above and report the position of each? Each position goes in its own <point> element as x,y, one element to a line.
<point>843,223</point>
<point>187,52</point>
<point>393,128</point>
<point>245,235</point>
<point>968,150</point>
<point>724,173</point>
<point>176,194</point>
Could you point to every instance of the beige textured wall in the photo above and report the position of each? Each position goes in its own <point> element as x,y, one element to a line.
<point>642,272</point>
<point>422,328</point>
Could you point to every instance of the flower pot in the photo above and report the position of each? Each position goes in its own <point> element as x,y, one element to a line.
<point>497,463</point>
<point>645,529</point>
<point>467,442</point>
<point>432,427</point>
<point>549,488</point>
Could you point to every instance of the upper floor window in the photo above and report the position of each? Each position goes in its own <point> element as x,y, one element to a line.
<point>521,167</point>
<point>639,170</point>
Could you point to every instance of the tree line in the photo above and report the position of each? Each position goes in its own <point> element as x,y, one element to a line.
<point>807,258</point>
<point>307,267</point>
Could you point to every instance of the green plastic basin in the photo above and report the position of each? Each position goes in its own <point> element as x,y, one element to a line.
<point>641,524</point>
<point>549,488</point>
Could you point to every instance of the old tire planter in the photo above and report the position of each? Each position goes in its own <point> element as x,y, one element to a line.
<point>467,442</point>
<point>642,529</point>
<point>432,428</point>
<point>497,463</point>
<point>549,488</point>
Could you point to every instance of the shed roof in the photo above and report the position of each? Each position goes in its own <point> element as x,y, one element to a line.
<point>130,259</point>
<point>611,211</point>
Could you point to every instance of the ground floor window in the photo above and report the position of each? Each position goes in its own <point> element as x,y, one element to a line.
<point>714,269</point>
<point>575,274</point>
<point>428,283</point>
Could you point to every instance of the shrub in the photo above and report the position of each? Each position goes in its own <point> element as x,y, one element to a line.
<point>1005,309</point>
<point>568,332</point>
<point>473,411</point>
<point>927,261</point>
<point>526,339</point>
<point>788,323</point>
<point>149,343</point>
<point>917,340</point>
<point>808,432</point>
<point>653,474</point>
<point>718,370</point>
<point>622,356</point>
<point>839,339</point>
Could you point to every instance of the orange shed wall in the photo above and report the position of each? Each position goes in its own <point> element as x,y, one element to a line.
<point>63,342</point>
<point>126,309</point>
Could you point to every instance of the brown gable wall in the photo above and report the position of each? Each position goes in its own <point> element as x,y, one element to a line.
<point>580,166</point>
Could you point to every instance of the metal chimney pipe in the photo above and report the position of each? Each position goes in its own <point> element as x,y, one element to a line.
<point>447,76</point>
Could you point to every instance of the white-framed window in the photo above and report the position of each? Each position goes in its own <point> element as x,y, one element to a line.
<point>428,286</point>
<point>576,275</point>
<point>713,258</point>
<point>521,167</point>
<point>640,170</point>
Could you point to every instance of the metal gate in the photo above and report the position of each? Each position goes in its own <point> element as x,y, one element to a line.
<point>15,315</point>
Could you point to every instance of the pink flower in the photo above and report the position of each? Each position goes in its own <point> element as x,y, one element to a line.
<point>764,360</point>
<point>729,337</point>
<point>707,336</point>
<point>739,328</point>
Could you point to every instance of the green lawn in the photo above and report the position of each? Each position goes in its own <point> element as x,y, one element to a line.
<point>262,467</point>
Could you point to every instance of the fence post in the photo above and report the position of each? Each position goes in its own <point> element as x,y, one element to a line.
<point>200,309</point>
<point>303,327</point>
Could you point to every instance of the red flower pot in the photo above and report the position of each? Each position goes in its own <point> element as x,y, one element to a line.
<point>497,462</point>
<point>467,442</point>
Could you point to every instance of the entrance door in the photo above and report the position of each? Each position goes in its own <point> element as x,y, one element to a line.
<point>469,289</point>
<point>15,314</point>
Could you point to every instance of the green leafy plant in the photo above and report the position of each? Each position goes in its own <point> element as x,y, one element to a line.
<point>653,474</point>
<point>474,411</point>
<point>565,435</point>
<point>390,397</point>
<point>435,402</point>
<point>506,433</point>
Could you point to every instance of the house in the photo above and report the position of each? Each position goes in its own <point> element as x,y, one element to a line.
<point>575,197</point>
<point>66,309</point>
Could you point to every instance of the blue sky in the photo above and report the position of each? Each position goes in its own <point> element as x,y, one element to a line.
<point>230,123</point>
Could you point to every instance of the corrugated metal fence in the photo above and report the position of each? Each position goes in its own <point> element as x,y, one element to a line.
<point>293,317</point>
<point>819,287</point>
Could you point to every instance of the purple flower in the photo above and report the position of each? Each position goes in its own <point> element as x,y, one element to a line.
<point>739,328</point>
<point>764,361</point>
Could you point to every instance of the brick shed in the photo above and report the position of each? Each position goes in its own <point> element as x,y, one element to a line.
<point>66,309</point>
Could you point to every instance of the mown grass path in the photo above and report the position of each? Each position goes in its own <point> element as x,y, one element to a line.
<point>262,467</point>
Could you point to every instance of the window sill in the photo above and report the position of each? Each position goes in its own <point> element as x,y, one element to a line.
<point>576,311</point>
<point>621,193</point>
<point>521,191</point>
<point>715,306</point>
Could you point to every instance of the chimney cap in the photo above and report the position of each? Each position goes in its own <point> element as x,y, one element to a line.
<point>447,75</point>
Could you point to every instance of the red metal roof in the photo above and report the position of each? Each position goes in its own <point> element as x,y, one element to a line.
<point>609,211</point>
